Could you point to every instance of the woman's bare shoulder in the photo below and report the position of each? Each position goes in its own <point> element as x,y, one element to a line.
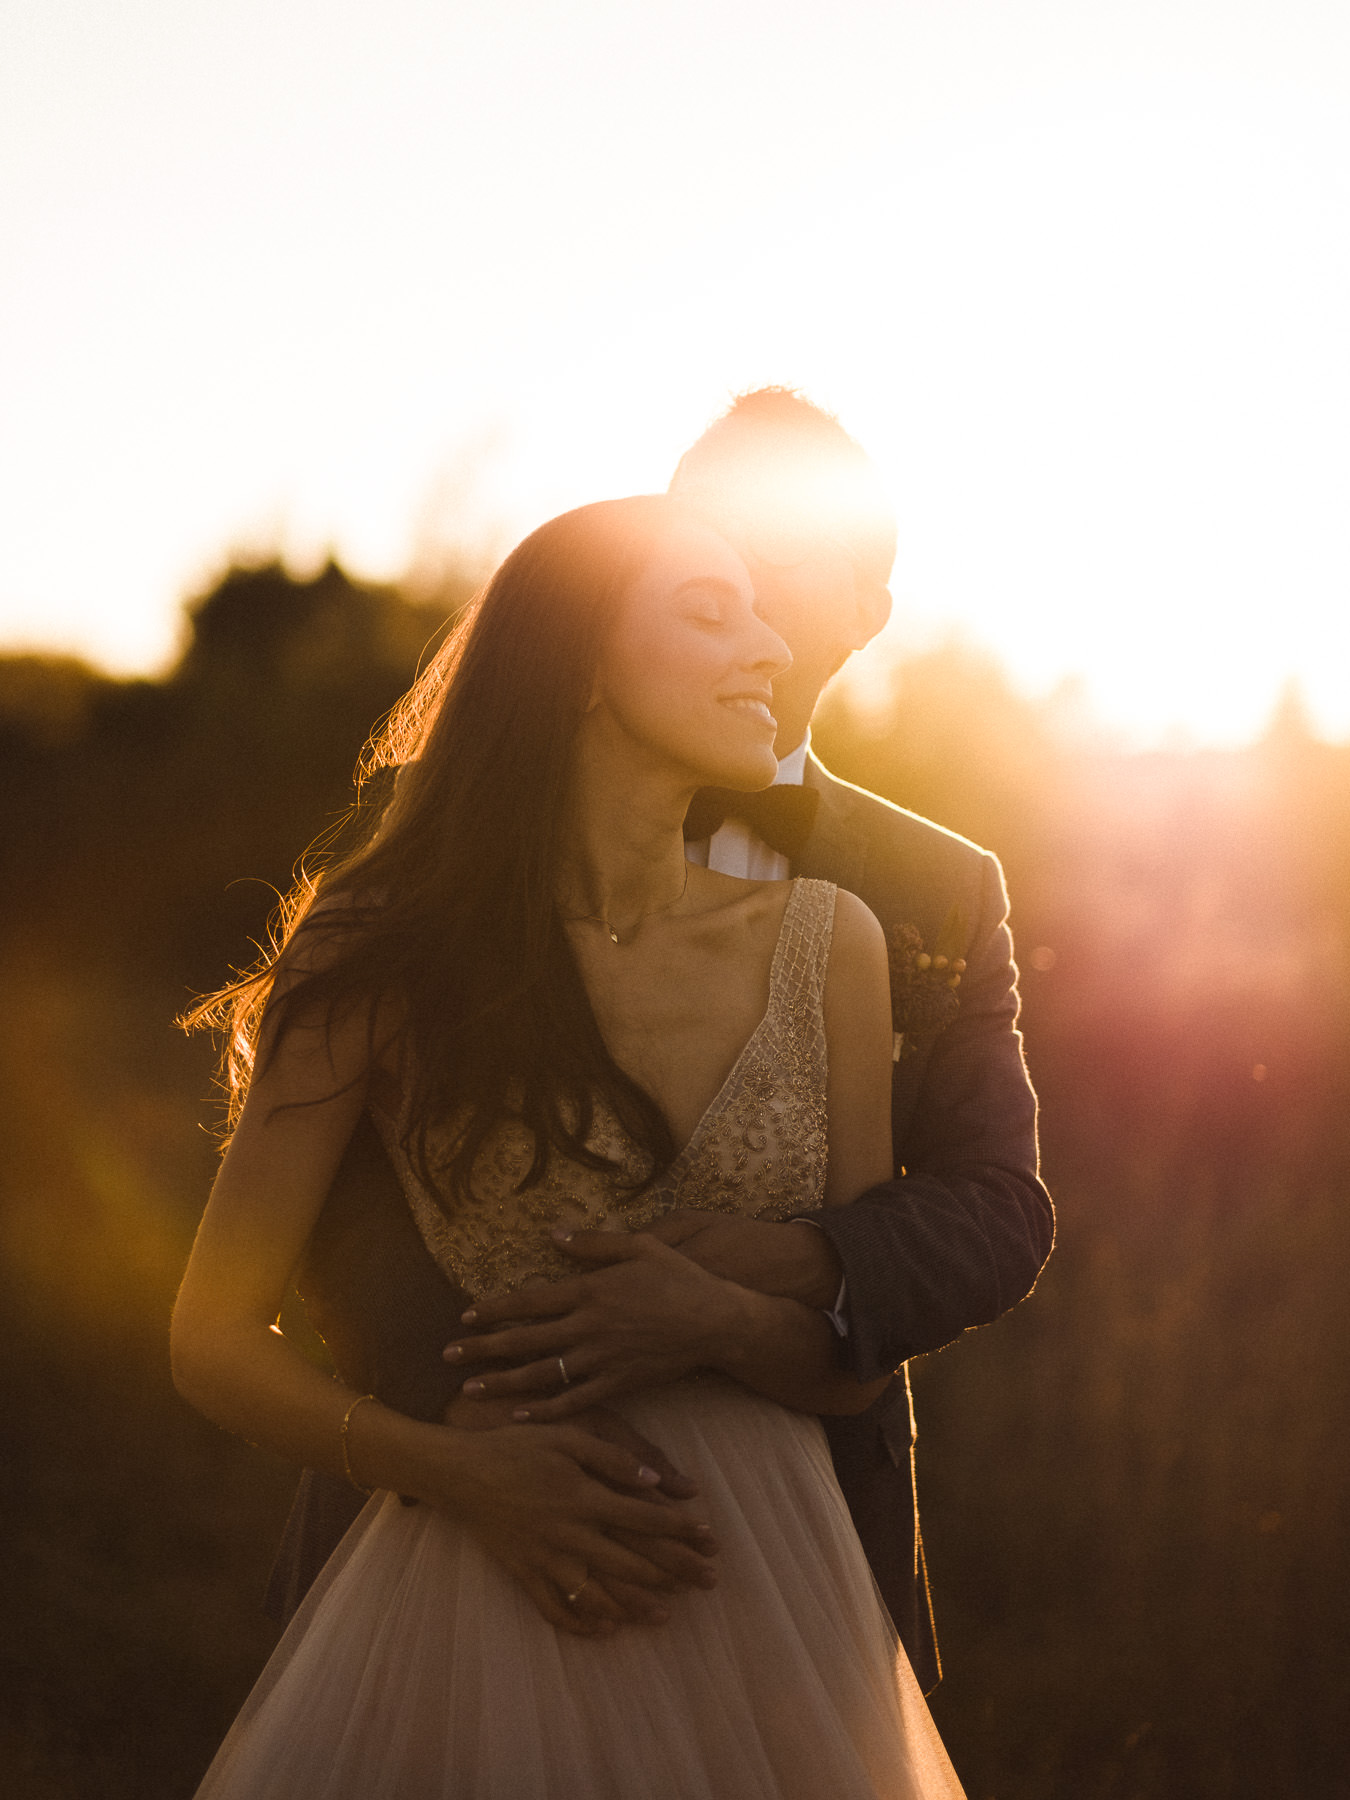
<point>855,922</point>
<point>857,944</point>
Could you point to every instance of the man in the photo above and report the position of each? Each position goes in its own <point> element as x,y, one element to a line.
<point>960,1233</point>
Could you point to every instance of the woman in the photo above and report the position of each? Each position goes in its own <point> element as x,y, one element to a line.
<point>556,1022</point>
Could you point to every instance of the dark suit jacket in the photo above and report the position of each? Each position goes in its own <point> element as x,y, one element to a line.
<point>955,1239</point>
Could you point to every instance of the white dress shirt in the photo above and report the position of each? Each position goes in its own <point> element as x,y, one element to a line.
<point>734,849</point>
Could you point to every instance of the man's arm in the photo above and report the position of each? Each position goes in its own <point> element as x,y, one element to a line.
<point>962,1233</point>
<point>645,1315</point>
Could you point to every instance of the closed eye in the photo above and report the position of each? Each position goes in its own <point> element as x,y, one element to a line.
<point>708,600</point>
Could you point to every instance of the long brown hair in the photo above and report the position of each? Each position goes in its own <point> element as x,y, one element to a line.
<point>447,907</point>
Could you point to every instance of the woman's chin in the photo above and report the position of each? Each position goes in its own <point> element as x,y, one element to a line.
<point>747,772</point>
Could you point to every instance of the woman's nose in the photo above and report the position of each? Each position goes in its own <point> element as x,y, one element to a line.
<point>770,652</point>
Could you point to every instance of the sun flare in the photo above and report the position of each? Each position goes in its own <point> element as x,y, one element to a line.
<point>1085,309</point>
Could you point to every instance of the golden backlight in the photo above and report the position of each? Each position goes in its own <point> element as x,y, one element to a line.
<point>1077,278</point>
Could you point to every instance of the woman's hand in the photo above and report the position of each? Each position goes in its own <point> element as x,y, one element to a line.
<point>673,1562</point>
<point>467,1414</point>
<point>645,1315</point>
<point>567,1514</point>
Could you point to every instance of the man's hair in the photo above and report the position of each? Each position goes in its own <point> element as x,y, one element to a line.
<point>774,450</point>
<point>788,409</point>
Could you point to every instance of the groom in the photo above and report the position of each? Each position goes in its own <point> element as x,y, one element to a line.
<point>961,1232</point>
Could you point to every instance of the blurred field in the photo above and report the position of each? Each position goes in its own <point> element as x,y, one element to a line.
<point>1135,1487</point>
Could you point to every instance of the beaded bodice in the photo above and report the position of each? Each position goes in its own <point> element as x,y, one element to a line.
<point>757,1152</point>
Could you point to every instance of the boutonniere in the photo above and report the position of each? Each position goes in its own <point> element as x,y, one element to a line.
<point>924,983</point>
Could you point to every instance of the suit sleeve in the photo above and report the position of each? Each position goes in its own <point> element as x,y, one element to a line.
<point>372,1291</point>
<point>963,1231</point>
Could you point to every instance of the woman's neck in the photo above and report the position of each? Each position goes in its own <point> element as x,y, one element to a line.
<point>623,852</point>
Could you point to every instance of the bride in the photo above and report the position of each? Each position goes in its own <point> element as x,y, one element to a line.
<point>556,1023</point>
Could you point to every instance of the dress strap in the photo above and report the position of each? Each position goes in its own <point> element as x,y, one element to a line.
<point>800,962</point>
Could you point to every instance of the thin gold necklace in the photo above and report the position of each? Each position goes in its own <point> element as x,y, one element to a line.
<point>600,919</point>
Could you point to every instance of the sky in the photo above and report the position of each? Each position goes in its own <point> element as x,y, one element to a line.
<point>396,281</point>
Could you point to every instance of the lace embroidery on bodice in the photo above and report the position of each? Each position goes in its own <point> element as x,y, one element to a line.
<point>758,1151</point>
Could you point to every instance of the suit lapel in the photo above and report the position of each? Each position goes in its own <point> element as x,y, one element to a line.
<point>835,850</point>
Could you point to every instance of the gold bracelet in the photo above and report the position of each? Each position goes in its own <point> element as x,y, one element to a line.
<point>346,1452</point>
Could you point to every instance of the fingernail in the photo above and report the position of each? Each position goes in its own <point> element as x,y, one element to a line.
<point>650,1476</point>
<point>562,1237</point>
<point>468,1317</point>
<point>521,1412</point>
<point>703,1530</point>
<point>472,1387</point>
<point>452,1353</point>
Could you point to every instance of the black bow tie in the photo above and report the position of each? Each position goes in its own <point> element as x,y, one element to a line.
<point>781,815</point>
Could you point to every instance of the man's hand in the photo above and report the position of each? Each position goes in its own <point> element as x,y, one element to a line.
<point>674,1562</point>
<point>794,1260</point>
<point>567,1515</point>
<point>646,1314</point>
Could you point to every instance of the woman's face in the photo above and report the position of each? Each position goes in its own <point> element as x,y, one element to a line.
<point>689,668</point>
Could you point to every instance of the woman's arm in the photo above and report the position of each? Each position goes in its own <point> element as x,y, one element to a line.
<point>227,1359</point>
<point>542,1501</point>
<point>859,1041</point>
<point>650,1315</point>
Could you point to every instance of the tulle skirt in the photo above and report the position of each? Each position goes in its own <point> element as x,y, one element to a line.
<point>418,1670</point>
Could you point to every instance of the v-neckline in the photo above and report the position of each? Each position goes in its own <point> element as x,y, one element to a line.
<point>710,1111</point>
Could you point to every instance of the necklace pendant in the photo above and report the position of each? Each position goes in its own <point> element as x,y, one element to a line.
<point>613,935</point>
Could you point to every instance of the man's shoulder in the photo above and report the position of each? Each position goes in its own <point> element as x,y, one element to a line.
<point>892,832</point>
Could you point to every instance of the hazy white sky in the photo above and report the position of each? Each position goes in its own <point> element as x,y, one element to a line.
<point>304,274</point>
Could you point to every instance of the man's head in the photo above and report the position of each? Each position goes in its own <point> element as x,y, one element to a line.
<point>802,503</point>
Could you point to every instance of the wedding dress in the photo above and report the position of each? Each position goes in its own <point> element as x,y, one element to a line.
<point>418,1670</point>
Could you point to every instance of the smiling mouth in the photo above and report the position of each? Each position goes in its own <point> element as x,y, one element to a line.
<point>758,709</point>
